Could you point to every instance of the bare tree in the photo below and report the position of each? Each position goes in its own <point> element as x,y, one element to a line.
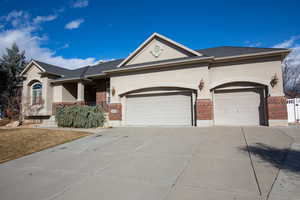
<point>291,78</point>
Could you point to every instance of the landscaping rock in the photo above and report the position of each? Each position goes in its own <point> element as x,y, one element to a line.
<point>13,124</point>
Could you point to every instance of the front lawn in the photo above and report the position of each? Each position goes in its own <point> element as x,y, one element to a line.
<point>15,143</point>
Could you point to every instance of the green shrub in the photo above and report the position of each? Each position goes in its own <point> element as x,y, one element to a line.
<point>79,116</point>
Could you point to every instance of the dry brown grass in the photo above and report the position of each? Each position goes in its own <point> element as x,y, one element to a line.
<point>15,143</point>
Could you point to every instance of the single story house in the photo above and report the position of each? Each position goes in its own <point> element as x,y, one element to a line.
<point>166,83</point>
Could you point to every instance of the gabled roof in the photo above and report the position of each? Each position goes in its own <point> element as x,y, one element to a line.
<point>29,65</point>
<point>153,36</point>
<point>53,69</point>
<point>216,54</point>
<point>225,51</point>
<point>99,68</point>
<point>47,68</point>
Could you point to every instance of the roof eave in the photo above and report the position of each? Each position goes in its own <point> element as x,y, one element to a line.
<point>67,80</point>
<point>160,65</point>
<point>96,75</point>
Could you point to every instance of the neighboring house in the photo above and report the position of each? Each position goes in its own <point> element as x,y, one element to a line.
<point>165,83</point>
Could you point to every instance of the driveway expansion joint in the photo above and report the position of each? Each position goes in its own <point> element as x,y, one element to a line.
<point>251,162</point>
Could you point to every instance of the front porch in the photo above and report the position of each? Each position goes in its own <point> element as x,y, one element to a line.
<point>84,92</point>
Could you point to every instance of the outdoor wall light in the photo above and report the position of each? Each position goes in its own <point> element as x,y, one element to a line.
<point>113,91</point>
<point>274,80</point>
<point>201,84</point>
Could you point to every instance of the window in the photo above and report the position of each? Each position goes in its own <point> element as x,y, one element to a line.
<point>107,92</point>
<point>37,93</point>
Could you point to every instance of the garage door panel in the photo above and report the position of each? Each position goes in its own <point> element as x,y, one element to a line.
<point>168,109</point>
<point>237,107</point>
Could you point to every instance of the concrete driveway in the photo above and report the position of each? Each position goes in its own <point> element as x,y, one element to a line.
<point>161,163</point>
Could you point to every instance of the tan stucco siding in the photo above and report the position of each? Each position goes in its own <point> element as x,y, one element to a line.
<point>259,71</point>
<point>32,75</point>
<point>57,93</point>
<point>168,52</point>
<point>65,92</point>
<point>182,77</point>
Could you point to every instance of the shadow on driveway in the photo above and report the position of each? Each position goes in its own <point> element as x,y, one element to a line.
<point>276,156</point>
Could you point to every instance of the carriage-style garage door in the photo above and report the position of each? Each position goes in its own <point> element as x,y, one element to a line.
<point>239,107</point>
<point>159,109</point>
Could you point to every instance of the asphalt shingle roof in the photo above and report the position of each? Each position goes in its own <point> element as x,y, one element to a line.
<point>99,68</point>
<point>54,69</point>
<point>216,52</point>
<point>225,51</point>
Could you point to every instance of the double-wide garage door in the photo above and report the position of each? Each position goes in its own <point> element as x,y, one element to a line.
<point>239,107</point>
<point>159,109</point>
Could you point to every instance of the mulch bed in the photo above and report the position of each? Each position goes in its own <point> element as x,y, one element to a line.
<point>18,142</point>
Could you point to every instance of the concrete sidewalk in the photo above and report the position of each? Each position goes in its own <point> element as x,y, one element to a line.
<point>153,163</point>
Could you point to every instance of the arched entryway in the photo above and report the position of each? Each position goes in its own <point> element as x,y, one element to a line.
<point>240,103</point>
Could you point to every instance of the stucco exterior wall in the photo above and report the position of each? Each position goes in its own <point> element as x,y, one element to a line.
<point>66,92</point>
<point>168,52</point>
<point>258,71</point>
<point>57,93</point>
<point>188,76</point>
<point>33,75</point>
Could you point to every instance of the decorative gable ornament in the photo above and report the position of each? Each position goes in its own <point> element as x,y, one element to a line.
<point>157,51</point>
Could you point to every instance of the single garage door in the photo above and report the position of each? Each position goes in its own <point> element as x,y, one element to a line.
<point>159,109</point>
<point>238,107</point>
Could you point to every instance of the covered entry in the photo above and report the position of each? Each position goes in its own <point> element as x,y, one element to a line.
<point>163,108</point>
<point>240,104</point>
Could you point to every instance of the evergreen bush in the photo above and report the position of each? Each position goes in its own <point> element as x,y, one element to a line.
<point>79,116</point>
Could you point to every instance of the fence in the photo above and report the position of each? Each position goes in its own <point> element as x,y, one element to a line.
<point>293,108</point>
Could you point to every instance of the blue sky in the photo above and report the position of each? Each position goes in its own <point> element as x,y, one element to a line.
<point>73,33</point>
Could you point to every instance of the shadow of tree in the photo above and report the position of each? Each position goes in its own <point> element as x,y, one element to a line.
<point>281,158</point>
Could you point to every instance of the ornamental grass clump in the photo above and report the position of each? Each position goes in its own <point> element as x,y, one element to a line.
<point>79,116</point>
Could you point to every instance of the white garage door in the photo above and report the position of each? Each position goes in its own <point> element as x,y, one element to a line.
<point>237,107</point>
<point>159,109</point>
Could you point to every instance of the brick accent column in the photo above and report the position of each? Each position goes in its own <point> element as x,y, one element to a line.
<point>277,109</point>
<point>101,94</point>
<point>204,108</point>
<point>115,111</point>
<point>100,97</point>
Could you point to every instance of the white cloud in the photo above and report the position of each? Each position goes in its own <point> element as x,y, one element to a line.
<point>27,38</point>
<point>41,19</point>
<point>287,43</point>
<point>80,4</point>
<point>18,18</point>
<point>74,24</point>
<point>293,59</point>
<point>253,44</point>
<point>65,46</point>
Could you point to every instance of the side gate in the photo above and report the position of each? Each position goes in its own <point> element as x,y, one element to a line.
<point>293,109</point>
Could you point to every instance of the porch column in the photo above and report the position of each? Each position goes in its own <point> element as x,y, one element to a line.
<point>80,92</point>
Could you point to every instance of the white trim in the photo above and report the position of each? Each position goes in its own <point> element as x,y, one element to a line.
<point>278,122</point>
<point>204,123</point>
<point>163,38</point>
<point>161,64</point>
<point>31,92</point>
<point>29,65</point>
<point>238,79</point>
